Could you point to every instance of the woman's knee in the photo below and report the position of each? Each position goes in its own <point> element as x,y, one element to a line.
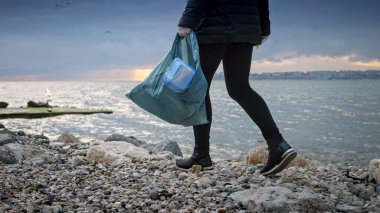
<point>236,91</point>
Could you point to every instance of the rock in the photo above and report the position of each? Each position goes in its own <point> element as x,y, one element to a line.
<point>27,154</point>
<point>51,209</point>
<point>38,104</point>
<point>56,145</point>
<point>115,152</point>
<point>3,104</point>
<point>222,210</point>
<point>196,169</point>
<point>2,126</point>
<point>68,138</point>
<point>130,139</point>
<point>154,195</point>
<point>281,199</point>
<point>311,201</point>
<point>251,169</point>
<point>374,170</point>
<point>5,131</point>
<point>259,155</point>
<point>377,188</point>
<point>293,176</point>
<point>78,161</point>
<point>362,191</point>
<point>170,146</point>
<point>42,137</point>
<point>7,156</point>
<point>117,205</point>
<point>225,173</point>
<point>347,208</point>
<point>255,180</point>
<point>6,138</point>
<point>155,207</point>
<point>21,133</point>
<point>264,199</point>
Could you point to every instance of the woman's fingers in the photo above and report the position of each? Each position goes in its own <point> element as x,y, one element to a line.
<point>183,31</point>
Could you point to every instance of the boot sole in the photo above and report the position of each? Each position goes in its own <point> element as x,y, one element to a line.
<point>288,157</point>
<point>207,168</point>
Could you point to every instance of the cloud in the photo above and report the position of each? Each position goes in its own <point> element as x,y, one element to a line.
<point>314,63</point>
<point>68,43</point>
<point>373,64</point>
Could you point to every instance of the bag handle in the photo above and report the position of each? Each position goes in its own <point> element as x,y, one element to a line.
<point>184,50</point>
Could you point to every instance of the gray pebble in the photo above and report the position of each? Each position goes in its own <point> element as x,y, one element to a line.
<point>154,195</point>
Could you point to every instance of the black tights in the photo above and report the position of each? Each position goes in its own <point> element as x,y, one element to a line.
<point>236,64</point>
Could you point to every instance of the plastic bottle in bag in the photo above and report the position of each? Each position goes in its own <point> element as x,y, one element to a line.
<point>179,75</point>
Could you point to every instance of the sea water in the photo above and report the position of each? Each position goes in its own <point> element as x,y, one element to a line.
<point>336,121</point>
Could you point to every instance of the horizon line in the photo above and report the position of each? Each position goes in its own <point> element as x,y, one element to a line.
<point>9,78</point>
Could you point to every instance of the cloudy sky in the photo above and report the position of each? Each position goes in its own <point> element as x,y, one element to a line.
<point>124,39</point>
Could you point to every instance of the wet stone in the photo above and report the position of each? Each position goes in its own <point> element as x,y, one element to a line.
<point>21,133</point>
<point>3,104</point>
<point>225,173</point>
<point>6,138</point>
<point>41,137</point>
<point>6,156</point>
<point>154,195</point>
<point>251,169</point>
<point>245,186</point>
<point>377,188</point>
<point>255,180</point>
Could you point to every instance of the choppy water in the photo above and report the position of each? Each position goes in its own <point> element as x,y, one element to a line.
<point>333,121</point>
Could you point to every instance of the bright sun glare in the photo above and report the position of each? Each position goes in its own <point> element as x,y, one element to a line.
<point>140,74</point>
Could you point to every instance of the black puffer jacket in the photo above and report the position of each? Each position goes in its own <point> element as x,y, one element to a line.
<point>224,21</point>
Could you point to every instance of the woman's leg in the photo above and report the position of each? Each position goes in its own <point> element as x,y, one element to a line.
<point>210,57</point>
<point>237,65</point>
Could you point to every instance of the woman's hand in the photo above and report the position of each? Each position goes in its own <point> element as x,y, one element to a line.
<point>183,31</point>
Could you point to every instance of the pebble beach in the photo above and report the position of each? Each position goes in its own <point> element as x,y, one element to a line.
<point>124,174</point>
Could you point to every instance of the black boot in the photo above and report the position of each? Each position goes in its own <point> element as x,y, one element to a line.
<point>280,155</point>
<point>199,157</point>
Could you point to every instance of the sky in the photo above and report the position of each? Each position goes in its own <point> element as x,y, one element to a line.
<point>124,39</point>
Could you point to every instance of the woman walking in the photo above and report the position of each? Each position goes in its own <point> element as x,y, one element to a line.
<point>226,31</point>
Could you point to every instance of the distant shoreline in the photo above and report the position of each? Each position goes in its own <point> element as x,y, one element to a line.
<point>311,75</point>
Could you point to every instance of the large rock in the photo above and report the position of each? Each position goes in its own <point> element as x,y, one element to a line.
<point>266,199</point>
<point>68,138</point>
<point>5,131</point>
<point>3,104</point>
<point>115,153</point>
<point>2,126</point>
<point>259,155</point>
<point>6,138</point>
<point>130,139</point>
<point>374,170</point>
<point>7,156</point>
<point>311,201</point>
<point>170,146</point>
<point>281,199</point>
<point>28,154</point>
